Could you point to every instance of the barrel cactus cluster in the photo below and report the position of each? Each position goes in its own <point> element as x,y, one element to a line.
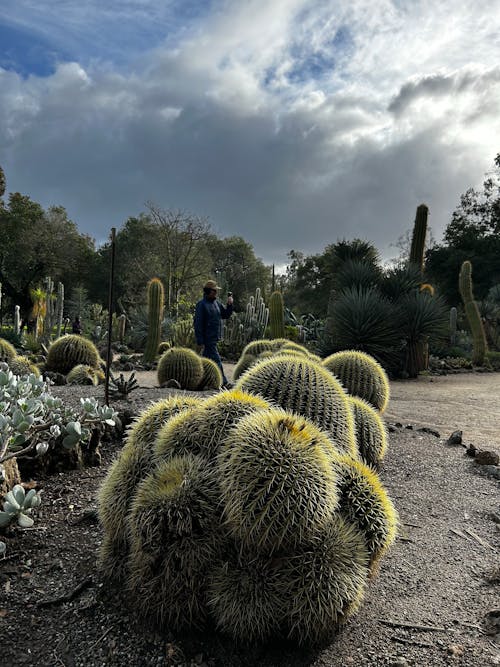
<point>185,368</point>
<point>265,348</point>
<point>252,509</point>
<point>69,351</point>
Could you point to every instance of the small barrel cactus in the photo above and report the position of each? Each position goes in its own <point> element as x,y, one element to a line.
<point>7,350</point>
<point>20,365</point>
<point>212,377</point>
<point>361,375</point>
<point>163,347</point>
<point>183,365</point>
<point>83,374</point>
<point>255,347</point>
<point>69,351</point>
<point>371,432</point>
<point>244,363</point>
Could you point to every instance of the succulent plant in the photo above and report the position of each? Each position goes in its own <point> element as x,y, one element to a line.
<point>277,480</point>
<point>204,428</point>
<point>155,316</point>
<point>277,315</point>
<point>83,374</point>
<point>365,503</point>
<point>479,345</point>
<point>163,347</point>
<point>304,387</point>
<point>121,388</point>
<point>371,432</point>
<point>7,350</point>
<point>174,540</point>
<point>20,366</point>
<point>69,351</point>
<point>212,377</point>
<point>361,375</point>
<point>18,505</point>
<point>244,363</point>
<point>255,347</point>
<point>183,365</point>
<point>417,250</point>
<point>118,489</point>
<point>323,582</point>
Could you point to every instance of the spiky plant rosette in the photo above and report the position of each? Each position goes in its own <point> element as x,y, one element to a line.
<point>117,491</point>
<point>244,596</point>
<point>202,430</point>
<point>175,537</point>
<point>212,377</point>
<point>183,365</point>
<point>361,375</point>
<point>277,480</point>
<point>20,365</point>
<point>322,583</point>
<point>304,387</point>
<point>371,432</point>
<point>82,374</point>
<point>364,503</point>
<point>68,351</point>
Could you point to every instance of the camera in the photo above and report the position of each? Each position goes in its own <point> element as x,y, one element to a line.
<point>230,294</point>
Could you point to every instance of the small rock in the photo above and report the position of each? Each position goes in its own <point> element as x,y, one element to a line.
<point>471,450</point>
<point>398,425</point>
<point>400,662</point>
<point>490,471</point>
<point>494,517</point>
<point>487,458</point>
<point>455,438</point>
<point>456,650</point>
<point>409,427</point>
<point>391,429</point>
<point>431,431</point>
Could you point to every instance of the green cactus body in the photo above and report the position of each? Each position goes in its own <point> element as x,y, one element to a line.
<point>258,346</point>
<point>155,316</point>
<point>479,345</point>
<point>23,366</point>
<point>304,387</point>
<point>203,429</point>
<point>277,479</point>
<point>133,464</point>
<point>184,334</point>
<point>365,503</point>
<point>122,325</point>
<point>2,183</point>
<point>418,238</point>
<point>277,315</point>
<point>371,432</point>
<point>7,351</point>
<point>69,351</point>
<point>361,375</point>
<point>174,541</point>
<point>244,363</point>
<point>453,326</point>
<point>212,377</point>
<point>183,365</point>
<point>83,374</point>
<point>163,347</point>
<point>323,582</point>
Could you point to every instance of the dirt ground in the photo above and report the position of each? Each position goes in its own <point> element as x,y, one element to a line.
<point>432,604</point>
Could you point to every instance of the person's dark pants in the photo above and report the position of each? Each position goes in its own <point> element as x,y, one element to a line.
<point>210,351</point>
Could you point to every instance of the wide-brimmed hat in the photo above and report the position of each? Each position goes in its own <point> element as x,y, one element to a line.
<point>211,284</point>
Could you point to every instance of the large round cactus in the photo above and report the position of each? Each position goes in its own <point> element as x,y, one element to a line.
<point>278,483</point>
<point>361,375</point>
<point>371,432</point>
<point>302,386</point>
<point>20,365</point>
<point>212,377</point>
<point>117,491</point>
<point>69,351</point>
<point>255,347</point>
<point>365,503</point>
<point>7,351</point>
<point>202,430</point>
<point>174,540</point>
<point>183,365</point>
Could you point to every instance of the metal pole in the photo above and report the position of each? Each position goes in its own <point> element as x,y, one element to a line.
<point>110,315</point>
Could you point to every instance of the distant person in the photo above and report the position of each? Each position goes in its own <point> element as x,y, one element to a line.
<point>76,327</point>
<point>208,318</point>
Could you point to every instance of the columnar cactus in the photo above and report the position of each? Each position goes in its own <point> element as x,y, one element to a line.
<point>183,365</point>
<point>479,345</point>
<point>156,298</point>
<point>69,351</point>
<point>453,325</point>
<point>17,320</point>
<point>122,325</point>
<point>361,375</point>
<point>304,387</point>
<point>418,237</point>
<point>277,315</point>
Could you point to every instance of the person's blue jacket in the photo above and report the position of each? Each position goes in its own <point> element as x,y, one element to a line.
<point>208,318</point>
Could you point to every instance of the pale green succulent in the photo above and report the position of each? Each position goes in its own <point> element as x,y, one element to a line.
<point>18,505</point>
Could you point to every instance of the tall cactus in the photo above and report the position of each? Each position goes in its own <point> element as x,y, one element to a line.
<point>277,315</point>
<point>453,326</point>
<point>122,325</point>
<point>17,320</point>
<point>418,237</point>
<point>156,297</point>
<point>479,346</point>
<point>50,308</point>
<point>59,308</point>
<point>2,183</point>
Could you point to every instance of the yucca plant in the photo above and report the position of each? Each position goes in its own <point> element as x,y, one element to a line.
<point>357,273</point>
<point>400,280</point>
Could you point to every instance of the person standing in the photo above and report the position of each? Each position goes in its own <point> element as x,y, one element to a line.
<point>208,318</point>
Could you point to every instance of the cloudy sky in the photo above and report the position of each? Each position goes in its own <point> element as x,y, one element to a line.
<point>289,122</point>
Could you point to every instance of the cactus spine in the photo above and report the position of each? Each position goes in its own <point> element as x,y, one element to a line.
<point>277,315</point>
<point>453,325</point>
<point>418,237</point>
<point>156,297</point>
<point>479,346</point>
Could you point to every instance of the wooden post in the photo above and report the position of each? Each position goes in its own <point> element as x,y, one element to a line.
<point>110,314</point>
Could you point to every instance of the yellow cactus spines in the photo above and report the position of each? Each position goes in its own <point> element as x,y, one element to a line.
<point>7,350</point>
<point>371,432</point>
<point>202,430</point>
<point>302,386</point>
<point>133,464</point>
<point>20,365</point>
<point>427,287</point>
<point>365,503</point>
<point>323,582</point>
<point>83,374</point>
<point>277,479</point>
<point>255,347</point>
<point>244,596</point>
<point>212,377</point>
<point>175,539</point>
<point>244,363</point>
<point>183,365</point>
<point>68,351</point>
<point>291,346</point>
<point>361,375</point>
